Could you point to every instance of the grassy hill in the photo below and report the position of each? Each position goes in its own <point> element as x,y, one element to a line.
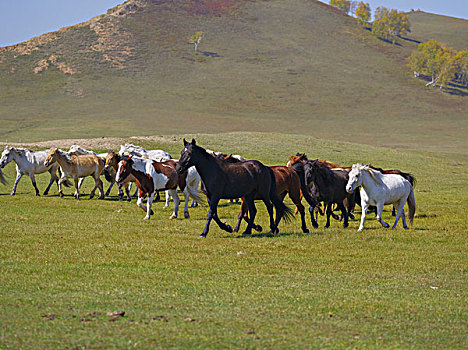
<point>294,66</point>
<point>451,31</point>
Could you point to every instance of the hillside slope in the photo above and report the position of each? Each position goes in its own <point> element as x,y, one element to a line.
<point>451,31</point>
<point>295,66</point>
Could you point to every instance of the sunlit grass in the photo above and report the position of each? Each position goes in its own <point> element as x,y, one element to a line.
<point>64,264</point>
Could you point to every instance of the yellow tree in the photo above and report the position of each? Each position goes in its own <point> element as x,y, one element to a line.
<point>343,5</point>
<point>436,61</point>
<point>363,13</point>
<point>461,59</point>
<point>195,39</point>
<point>390,24</point>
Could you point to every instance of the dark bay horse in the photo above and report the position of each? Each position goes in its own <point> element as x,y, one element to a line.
<point>331,186</point>
<point>287,182</point>
<point>223,180</point>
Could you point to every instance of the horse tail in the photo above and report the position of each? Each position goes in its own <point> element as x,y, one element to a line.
<point>3,180</point>
<point>194,193</point>
<point>411,205</point>
<point>410,178</point>
<point>282,210</point>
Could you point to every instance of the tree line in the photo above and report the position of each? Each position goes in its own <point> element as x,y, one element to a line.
<point>441,64</point>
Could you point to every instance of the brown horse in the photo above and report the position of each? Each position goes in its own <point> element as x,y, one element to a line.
<point>76,167</point>
<point>331,185</point>
<point>112,160</point>
<point>287,182</point>
<point>152,176</point>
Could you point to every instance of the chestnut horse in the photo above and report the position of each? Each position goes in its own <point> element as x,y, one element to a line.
<point>76,167</point>
<point>223,180</point>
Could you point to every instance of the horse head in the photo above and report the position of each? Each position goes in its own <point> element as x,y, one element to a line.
<point>51,157</point>
<point>112,160</point>
<point>6,156</point>
<point>186,156</point>
<point>354,177</point>
<point>124,169</point>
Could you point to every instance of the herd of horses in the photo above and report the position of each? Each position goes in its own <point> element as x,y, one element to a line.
<point>325,186</point>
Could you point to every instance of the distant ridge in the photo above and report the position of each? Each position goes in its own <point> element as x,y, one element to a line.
<point>296,66</point>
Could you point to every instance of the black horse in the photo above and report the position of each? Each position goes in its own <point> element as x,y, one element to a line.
<point>224,180</point>
<point>331,186</point>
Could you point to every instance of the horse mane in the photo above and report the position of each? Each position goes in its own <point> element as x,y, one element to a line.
<point>65,155</point>
<point>373,174</point>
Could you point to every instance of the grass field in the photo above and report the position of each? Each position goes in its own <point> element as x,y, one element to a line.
<point>65,263</point>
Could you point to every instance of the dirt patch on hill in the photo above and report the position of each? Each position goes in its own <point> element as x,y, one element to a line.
<point>101,143</point>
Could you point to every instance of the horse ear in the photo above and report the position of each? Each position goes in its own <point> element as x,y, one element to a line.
<point>194,142</point>
<point>185,142</point>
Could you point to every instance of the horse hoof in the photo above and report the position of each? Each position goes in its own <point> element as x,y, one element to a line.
<point>151,212</point>
<point>173,217</point>
<point>315,225</point>
<point>146,218</point>
<point>12,194</point>
<point>258,228</point>
<point>229,228</point>
<point>305,230</point>
<point>351,216</point>
<point>345,225</point>
<point>246,234</point>
<point>186,215</point>
<point>202,236</point>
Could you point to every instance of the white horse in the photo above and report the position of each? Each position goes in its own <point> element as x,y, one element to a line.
<point>109,173</point>
<point>379,189</point>
<point>29,163</point>
<point>132,150</point>
<point>216,154</point>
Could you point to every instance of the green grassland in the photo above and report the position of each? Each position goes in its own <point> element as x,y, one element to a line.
<point>65,263</point>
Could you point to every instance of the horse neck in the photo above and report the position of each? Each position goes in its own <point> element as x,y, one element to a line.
<point>371,181</point>
<point>62,160</point>
<point>206,165</point>
<point>19,156</point>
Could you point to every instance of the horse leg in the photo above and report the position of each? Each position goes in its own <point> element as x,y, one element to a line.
<point>329,211</point>
<point>80,182</point>
<point>53,177</point>
<point>252,213</point>
<point>393,211</point>
<point>59,185</point>
<point>127,191</point>
<point>379,215</point>
<point>18,177</point>
<point>400,213</point>
<point>149,203</point>
<point>176,199</point>
<point>241,216</point>
<point>364,207</point>
<point>101,188</point>
<point>213,203</point>
<point>140,202</point>
<point>77,188</point>
<point>168,197</point>
<point>187,199</point>
<point>273,223</point>
<point>33,181</point>
<point>158,197</point>
<point>344,214</point>
<point>109,189</point>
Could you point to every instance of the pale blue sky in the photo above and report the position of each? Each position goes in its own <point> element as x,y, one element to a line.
<point>21,20</point>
